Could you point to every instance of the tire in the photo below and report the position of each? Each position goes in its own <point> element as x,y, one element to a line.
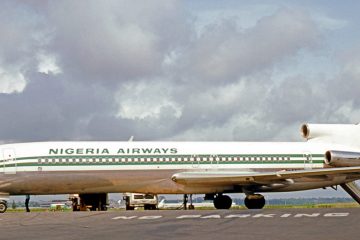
<point>256,201</point>
<point>3,207</point>
<point>222,202</point>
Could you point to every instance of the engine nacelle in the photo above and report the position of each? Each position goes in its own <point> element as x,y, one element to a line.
<point>310,131</point>
<point>342,159</point>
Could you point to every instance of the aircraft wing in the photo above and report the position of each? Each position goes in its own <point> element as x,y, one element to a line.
<point>237,178</point>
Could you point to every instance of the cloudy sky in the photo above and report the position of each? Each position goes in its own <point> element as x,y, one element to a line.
<point>176,70</point>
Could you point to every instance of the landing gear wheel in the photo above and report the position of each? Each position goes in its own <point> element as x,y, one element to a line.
<point>254,201</point>
<point>191,207</point>
<point>222,202</point>
<point>3,207</point>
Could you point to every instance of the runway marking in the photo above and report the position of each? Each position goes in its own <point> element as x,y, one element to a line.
<point>189,216</point>
<point>336,214</point>
<point>234,216</point>
<point>132,217</point>
<point>124,217</point>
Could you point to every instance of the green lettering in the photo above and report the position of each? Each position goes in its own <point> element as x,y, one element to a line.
<point>53,151</point>
<point>147,150</point>
<point>79,151</point>
<point>89,151</point>
<point>69,151</point>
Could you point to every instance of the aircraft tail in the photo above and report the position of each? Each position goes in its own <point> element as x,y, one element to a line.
<point>352,189</point>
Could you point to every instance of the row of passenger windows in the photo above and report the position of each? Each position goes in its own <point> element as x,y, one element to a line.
<point>173,159</point>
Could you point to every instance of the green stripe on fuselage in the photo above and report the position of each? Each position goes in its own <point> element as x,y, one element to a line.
<point>110,160</point>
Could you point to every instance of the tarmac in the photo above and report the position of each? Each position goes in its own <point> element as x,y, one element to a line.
<point>315,223</point>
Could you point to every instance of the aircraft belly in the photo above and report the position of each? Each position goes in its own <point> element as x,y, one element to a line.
<point>158,181</point>
<point>143,181</point>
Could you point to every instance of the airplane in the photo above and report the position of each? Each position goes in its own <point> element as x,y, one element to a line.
<point>329,156</point>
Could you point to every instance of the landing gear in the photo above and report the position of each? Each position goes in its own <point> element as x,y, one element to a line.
<point>3,206</point>
<point>254,201</point>
<point>185,202</point>
<point>222,202</point>
<point>191,205</point>
<point>27,200</point>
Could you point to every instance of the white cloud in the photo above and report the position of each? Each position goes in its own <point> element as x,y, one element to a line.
<point>11,81</point>
<point>48,64</point>
<point>145,100</point>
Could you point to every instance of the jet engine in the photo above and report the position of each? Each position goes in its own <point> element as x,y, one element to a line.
<point>311,131</point>
<point>344,134</point>
<point>342,159</point>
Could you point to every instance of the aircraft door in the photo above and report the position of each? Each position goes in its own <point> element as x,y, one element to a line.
<point>9,162</point>
<point>308,162</point>
<point>214,161</point>
<point>195,159</point>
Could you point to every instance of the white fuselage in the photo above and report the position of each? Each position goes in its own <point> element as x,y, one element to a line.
<point>147,167</point>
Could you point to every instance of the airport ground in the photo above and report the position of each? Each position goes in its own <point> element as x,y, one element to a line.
<point>237,207</point>
<point>299,223</point>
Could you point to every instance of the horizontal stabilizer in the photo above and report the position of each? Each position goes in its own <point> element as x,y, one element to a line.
<point>353,190</point>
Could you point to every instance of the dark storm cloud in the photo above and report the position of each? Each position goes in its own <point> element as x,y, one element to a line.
<point>147,69</point>
<point>49,109</point>
<point>115,41</point>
